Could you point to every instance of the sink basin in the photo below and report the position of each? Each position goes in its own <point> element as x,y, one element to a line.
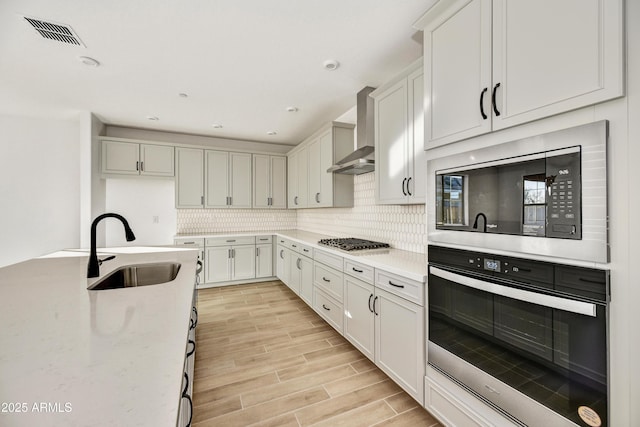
<point>130,276</point>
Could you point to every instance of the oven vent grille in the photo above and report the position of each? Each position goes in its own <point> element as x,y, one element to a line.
<point>57,32</point>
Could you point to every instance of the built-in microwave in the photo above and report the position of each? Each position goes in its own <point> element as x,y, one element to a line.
<point>544,195</point>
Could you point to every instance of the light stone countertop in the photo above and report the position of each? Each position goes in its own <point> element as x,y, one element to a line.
<point>412,265</point>
<point>73,357</point>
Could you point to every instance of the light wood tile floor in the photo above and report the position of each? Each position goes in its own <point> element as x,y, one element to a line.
<point>264,358</point>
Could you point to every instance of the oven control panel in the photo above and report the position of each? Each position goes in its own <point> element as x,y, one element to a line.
<point>563,196</point>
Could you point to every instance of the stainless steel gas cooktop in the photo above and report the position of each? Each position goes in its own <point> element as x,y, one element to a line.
<point>352,244</point>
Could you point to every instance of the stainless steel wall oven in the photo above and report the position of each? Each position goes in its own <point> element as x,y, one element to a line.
<point>526,336</point>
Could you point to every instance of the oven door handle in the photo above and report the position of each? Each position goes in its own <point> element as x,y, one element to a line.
<point>578,307</point>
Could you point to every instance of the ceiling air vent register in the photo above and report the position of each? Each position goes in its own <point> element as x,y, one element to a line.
<point>57,32</point>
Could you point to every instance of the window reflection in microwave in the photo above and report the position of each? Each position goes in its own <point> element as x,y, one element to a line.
<point>534,207</point>
<point>451,211</point>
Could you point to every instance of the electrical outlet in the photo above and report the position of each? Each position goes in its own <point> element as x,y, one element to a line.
<point>156,219</point>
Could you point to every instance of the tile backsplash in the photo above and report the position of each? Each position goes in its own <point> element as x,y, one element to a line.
<point>403,227</point>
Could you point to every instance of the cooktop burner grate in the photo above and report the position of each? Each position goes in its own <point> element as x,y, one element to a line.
<point>352,244</point>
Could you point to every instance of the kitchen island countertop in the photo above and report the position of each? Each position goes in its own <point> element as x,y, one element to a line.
<point>74,357</point>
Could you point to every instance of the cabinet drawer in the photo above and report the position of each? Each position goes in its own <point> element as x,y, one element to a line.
<point>231,240</point>
<point>326,258</point>
<point>401,286</point>
<point>330,280</point>
<point>186,241</point>
<point>361,271</point>
<point>300,248</point>
<point>264,239</point>
<point>283,241</point>
<point>329,309</point>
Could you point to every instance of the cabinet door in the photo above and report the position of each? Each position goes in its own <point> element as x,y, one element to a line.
<point>315,177</point>
<point>303,178</point>
<point>417,161</point>
<point>326,161</point>
<point>189,178</point>
<point>217,179</point>
<point>400,341</point>
<point>391,144</point>
<point>359,327</point>
<point>306,279</point>
<point>120,158</point>
<point>264,260</point>
<point>156,160</point>
<point>243,265</point>
<point>292,180</point>
<point>278,182</point>
<point>218,262</point>
<point>240,181</point>
<point>282,266</point>
<point>457,60</point>
<point>295,269</point>
<point>557,69</point>
<point>261,181</point>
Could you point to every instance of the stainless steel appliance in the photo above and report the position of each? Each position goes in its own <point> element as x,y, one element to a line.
<point>528,337</point>
<point>543,195</point>
<point>352,244</point>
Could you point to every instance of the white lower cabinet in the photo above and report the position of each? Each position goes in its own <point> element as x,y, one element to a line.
<point>389,330</point>
<point>264,260</point>
<point>234,259</point>
<point>283,261</point>
<point>400,341</point>
<point>328,308</point>
<point>328,292</point>
<point>301,276</point>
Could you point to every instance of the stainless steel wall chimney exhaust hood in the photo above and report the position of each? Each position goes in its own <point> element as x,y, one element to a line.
<point>360,161</point>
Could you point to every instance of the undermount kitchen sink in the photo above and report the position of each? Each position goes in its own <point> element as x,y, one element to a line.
<point>129,276</point>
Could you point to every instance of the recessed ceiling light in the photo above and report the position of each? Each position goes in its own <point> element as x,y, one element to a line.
<point>272,132</point>
<point>216,126</point>
<point>292,109</point>
<point>183,95</point>
<point>89,61</point>
<point>331,64</point>
<point>153,118</point>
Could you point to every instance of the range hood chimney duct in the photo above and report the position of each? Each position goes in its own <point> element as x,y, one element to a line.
<point>360,161</point>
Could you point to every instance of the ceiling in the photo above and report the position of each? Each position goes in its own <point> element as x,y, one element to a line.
<point>241,63</point>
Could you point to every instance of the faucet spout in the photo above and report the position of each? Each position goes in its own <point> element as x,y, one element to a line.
<point>93,268</point>
<point>475,223</point>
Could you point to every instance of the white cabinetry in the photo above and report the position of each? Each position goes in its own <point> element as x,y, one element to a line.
<point>196,243</point>
<point>328,288</point>
<point>386,322</point>
<point>228,179</point>
<point>128,158</point>
<point>189,178</point>
<point>283,265</point>
<point>310,185</point>
<point>298,178</point>
<point>230,259</point>
<point>494,64</point>
<point>399,138</point>
<point>269,181</point>
<point>264,256</point>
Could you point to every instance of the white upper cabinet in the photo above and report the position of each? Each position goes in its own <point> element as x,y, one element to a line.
<point>309,183</point>
<point>128,158</point>
<point>269,181</point>
<point>495,64</point>
<point>399,138</point>
<point>297,178</point>
<point>189,178</point>
<point>227,179</point>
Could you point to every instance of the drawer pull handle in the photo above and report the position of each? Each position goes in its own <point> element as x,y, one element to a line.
<point>356,270</point>
<point>397,286</point>
<point>370,308</point>
<point>374,306</point>
<point>231,240</point>
<point>188,243</point>
<point>293,246</point>
<point>264,240</point>
<point>325,307</point>
<point>305,250</point>
<point>326,280</point>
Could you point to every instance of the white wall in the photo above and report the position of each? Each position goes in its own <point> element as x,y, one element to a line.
<point>139,200</point>
<point>39,187</point>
